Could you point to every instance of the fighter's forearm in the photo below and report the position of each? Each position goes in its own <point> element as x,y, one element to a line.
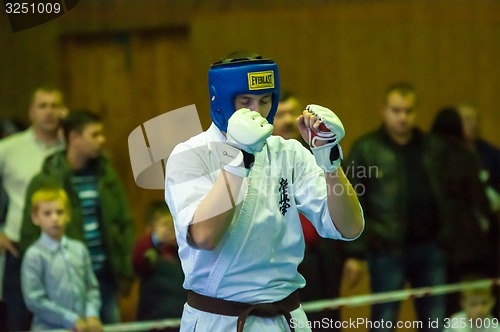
<point>214,214</point>
<point>343,204</point>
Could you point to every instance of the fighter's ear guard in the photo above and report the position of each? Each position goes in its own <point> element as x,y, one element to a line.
<point>215,107</point>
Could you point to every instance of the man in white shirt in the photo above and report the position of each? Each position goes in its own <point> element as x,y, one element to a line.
<point>235,192</point>
<point>21,157</point>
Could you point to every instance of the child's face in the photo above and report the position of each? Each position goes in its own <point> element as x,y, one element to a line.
<point>477,305</point>
<point>164,228</point>
<point>51,217</point>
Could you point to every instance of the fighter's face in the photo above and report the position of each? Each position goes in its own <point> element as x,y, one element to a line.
<point>399,113</point>
<point>284,120</point>
<point>259,103</point>
<point>163,226</point>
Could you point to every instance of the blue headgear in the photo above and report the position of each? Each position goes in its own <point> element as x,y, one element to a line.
<point>230,78</point>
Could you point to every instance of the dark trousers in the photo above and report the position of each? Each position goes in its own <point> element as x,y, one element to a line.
<point>322,269</point>
<point>3,316</point>
<point>18,316</point>
<point>420,264</point>
<point>110,309</point>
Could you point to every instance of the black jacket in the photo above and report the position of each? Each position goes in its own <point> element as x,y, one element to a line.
<point>378,169</point>
<point>468,232</point>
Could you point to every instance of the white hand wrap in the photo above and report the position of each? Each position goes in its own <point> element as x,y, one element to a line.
<point>322,155</point>
<point>248,130</point>
<point>331,130</point>
<point>240,171</point>
<point>232,160</point>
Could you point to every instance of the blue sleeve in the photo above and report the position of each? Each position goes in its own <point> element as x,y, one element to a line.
<point>35,294</point>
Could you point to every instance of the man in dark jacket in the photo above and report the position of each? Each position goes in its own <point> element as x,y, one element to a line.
<point>100,214</point>
<point>400,241</point>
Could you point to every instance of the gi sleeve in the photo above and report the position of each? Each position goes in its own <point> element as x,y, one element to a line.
<point>311,195</point>
<point>188,181</point>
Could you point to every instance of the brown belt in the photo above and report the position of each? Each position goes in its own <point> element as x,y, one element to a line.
<point>243,310</point>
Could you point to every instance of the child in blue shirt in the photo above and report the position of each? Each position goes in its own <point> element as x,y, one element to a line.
<point>58,283</point>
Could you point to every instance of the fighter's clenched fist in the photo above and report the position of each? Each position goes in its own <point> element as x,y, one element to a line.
<point>323,130</point>
<point>248,130</point>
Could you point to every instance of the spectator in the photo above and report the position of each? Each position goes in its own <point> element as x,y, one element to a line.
<point>101,215</point>
<point>21,158</point>
<point>489,154</point>
<point>476,314</point>
<point>58,283</point>
<point>156,263</point>
<point>467,228</point>
<point>289,109</point>
<point>401,239</point>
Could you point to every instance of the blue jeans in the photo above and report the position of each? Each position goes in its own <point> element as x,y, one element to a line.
<point>110,309</point>
<point>420,264</point>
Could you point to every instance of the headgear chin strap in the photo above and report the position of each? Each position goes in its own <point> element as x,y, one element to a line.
<point>230,78</point>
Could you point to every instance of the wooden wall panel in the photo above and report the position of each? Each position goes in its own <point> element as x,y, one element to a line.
<point>128,79</point>
<point>345,55</point>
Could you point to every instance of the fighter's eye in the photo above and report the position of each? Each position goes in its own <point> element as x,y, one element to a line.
<point>265,101</point>
<point>244,101</point>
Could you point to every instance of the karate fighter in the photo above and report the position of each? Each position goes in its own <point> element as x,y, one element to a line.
<point>235,192</point>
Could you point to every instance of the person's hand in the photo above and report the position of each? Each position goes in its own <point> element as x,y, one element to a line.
<point>62,114</point>
<point>353,272</point>
<point>80,326</point>
<point>248,130</point>
<point>94,324</point>
<point>7,245</point>
<point>319,126</point>
<point>322,130</point>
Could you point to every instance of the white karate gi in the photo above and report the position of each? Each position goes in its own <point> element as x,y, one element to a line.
<point>256,260</point>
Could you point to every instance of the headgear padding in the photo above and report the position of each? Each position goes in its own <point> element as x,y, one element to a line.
<point>229,78</point>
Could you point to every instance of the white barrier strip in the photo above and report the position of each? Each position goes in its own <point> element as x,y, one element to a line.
<point>399,295</point>
<point>138,326</point>
<point>316,306</point>
<point>142,326</point>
